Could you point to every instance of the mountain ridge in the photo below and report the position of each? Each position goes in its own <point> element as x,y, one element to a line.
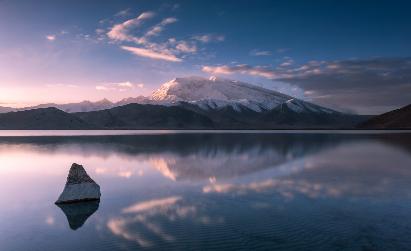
<point>190,103</point>
<point>42,119</point>
<point>211,93</point>
<point>395,119</point>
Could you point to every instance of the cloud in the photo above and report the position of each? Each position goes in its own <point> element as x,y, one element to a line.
<point>166,51</point>
<point>121,32</point>
<point>169,49</point>
<point>207,38</point>
<point>287,62</point>
<point>260,53</point>
<point>62,85</point>
<point>151,54</point>
<point>102,88</point>
<point>120,86</point>
<point>367,86</point>
<point>155,30</point>
<point>100,31</point>
<point>184,46</point>
<point>125,84</point>
<point>123,13</point>
<point>51,37</point>
<point>242,69</point>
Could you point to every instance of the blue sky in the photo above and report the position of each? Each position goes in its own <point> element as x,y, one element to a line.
<point>348,55</point>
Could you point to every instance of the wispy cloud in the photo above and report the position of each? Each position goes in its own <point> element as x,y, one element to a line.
<point>123,13</point>
<point>125,32</point>
<point>102,88</point>
<point>207,38</point>
<point>62,85</point>
<point>169,49</point>
<point>120,86</point>
<point>260,53</point>
<point>287,62</point>
<point>185,46</point>
<point>155,30</point>
<point>151,54</point>
<point>242,69</point>
<point>121,32</point>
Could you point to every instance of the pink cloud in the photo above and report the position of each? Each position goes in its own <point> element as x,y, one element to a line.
<point>242,69</point>
<point>184,46</point>
<point>120,32</point>
<point>51,37</point>
<point>151,54</point>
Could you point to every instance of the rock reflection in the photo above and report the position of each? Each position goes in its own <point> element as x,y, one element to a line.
<point>78,213</point>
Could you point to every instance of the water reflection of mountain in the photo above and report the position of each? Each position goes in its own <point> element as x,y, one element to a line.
<point>197,156</point>
<point>191,156</point>
<point>78,213</point>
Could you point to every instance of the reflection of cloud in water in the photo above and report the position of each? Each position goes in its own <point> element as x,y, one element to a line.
<point>287,188</point>
<point>151,204</point>
<point>162,166</point>
<point>50,220</point>
<point>143,222</point>
<point>120,171</point>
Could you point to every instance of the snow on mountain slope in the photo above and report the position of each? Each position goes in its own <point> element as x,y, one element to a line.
<point>84,106</point>
<point>214,93</point>
<point>208,94</point>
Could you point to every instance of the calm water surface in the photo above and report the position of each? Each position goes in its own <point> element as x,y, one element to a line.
<point>209,191</point>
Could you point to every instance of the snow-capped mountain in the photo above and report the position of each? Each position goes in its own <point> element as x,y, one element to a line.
<point>189,103</point>
<point>206,94</point>
<point>215,93</point>
<point>83,106</point>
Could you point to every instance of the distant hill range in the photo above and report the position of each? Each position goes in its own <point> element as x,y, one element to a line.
<point>396,119</point>
<point>41,119</point>
<point>186,103</point>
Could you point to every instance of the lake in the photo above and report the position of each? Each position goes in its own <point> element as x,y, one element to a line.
<point>185,190</point>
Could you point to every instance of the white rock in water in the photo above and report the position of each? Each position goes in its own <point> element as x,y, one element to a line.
<point>79,187</point>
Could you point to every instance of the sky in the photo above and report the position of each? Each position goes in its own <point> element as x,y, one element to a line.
<point>353,56</point>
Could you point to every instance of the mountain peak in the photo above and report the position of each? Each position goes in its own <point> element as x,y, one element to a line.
<point>198,88</point>
<point>205,93</point>
<point>214,92</point>
<point>104,101</point>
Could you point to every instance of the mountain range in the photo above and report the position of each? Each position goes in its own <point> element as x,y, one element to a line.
<point>185,103</point>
